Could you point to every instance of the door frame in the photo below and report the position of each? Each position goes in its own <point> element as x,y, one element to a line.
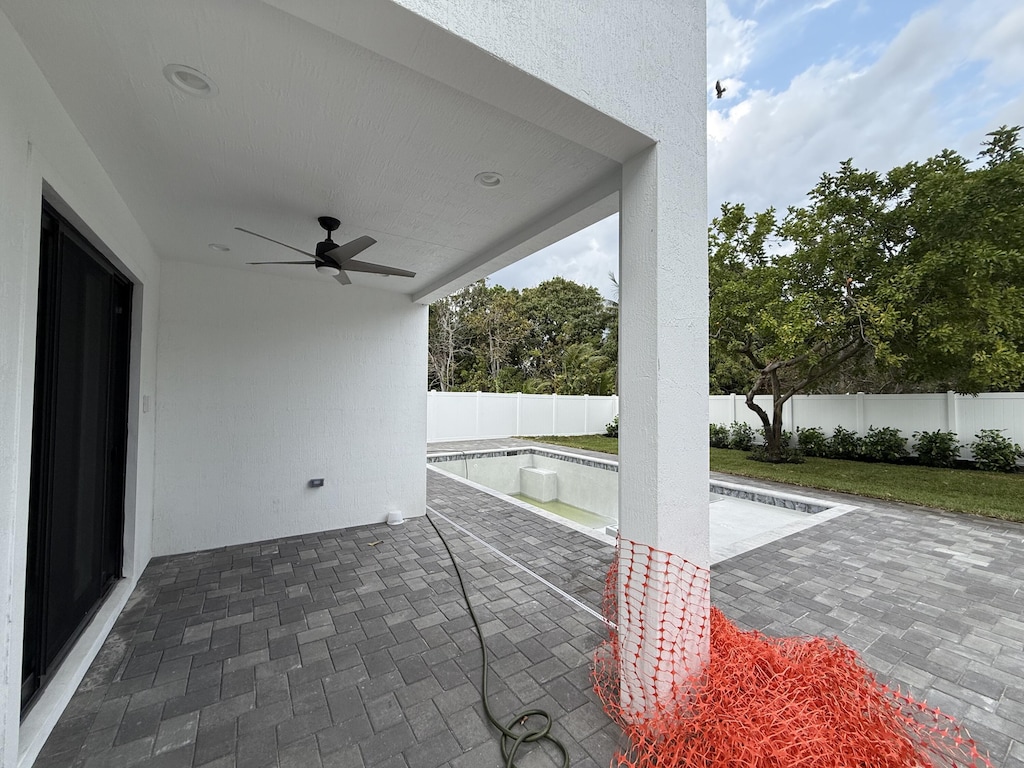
<point>123,363</point>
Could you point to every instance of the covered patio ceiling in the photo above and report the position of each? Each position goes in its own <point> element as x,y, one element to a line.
<point>363,111</point>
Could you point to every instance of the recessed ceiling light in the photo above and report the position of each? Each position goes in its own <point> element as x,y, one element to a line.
<point>219,247</point>
<point>488,179</point>
<point>190,80</point>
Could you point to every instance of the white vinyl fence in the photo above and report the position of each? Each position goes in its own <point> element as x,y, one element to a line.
<point>963,414</point>
<point>468,415</point>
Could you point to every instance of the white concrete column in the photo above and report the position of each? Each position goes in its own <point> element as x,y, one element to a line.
<point>663,353</point>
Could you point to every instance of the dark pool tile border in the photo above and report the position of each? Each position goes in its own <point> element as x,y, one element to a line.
<point>572,458</point>
<point>776,499</point>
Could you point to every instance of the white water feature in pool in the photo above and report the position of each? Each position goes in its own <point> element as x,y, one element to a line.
<point>581,492</point>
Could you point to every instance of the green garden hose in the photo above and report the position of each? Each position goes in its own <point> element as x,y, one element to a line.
<point>516,733</point>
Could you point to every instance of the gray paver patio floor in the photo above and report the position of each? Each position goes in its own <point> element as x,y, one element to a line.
<point>933,601</point>
<point>331,650</point>
<point>346,648</point>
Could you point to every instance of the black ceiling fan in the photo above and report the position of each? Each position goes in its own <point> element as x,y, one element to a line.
<point>333,259</point>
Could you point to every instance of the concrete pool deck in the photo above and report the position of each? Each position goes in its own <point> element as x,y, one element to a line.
<point>351,648</point>
<point>740,525</point>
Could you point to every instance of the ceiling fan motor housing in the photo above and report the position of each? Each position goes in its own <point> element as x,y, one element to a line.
<point>329,223</point>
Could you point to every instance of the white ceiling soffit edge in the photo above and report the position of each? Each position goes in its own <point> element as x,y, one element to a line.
<point>599,202</point>
<point>398,34</point>
<point>77,219</point>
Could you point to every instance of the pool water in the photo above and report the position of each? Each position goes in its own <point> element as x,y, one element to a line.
<point>568,511</point>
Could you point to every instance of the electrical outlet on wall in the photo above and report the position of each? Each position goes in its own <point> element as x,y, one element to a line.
<point>316,482</point>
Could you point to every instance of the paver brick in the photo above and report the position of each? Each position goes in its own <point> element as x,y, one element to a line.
<point>384,712</point>
<point>257,749</point>
<point>321,650</point>
<point>175,733</point>
<point>304,753</point>
<point>214,741</point>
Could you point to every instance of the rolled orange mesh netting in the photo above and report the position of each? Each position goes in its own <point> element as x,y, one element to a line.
<point>719,696</point>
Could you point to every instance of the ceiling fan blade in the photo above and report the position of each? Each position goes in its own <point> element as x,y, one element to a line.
<point>280,262</point>
<point>342,278</point>
<point>377,269</point>
<point>278,242</point>
<point>349,250</point>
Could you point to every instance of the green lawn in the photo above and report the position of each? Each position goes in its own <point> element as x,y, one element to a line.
<point>586,442</point>
<point>984,493</point>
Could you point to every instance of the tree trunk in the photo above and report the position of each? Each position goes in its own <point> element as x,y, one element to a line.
<point>771,428</point>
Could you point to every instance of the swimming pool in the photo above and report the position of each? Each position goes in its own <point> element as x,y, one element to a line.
<point>581,492</point>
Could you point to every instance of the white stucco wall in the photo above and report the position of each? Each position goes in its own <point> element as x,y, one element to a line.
<point>265,382</point>
<point>41,149</point>
<point>644,65</point>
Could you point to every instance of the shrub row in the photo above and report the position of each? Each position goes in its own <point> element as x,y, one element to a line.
<point>993,451</point>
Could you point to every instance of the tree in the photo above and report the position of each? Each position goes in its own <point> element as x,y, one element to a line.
<point>443,341</point>
<point>791,319</point>
<point>917,274</point>
<point>449,337</point>
<point>962,271</point>
<point>500,329</point>
<point>586,370</point>
<point>562,314</point>
<point>557,337</point>
<point>726,373</point>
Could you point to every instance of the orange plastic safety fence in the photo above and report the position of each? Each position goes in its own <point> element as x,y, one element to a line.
<point>719,696</point>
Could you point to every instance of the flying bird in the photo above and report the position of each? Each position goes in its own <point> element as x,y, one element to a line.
<point>719,88</point>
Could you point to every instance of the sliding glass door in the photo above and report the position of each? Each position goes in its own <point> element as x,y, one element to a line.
<point>76,511</point>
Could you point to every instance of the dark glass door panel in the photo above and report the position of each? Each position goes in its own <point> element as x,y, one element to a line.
<point>79,436</point>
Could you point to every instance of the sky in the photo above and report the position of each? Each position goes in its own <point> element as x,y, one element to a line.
<point>810,83</point>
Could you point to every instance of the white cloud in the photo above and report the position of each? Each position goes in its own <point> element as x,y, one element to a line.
<point>770,148</point>
<point>821,5</point>
<point>586,258</point>
<point>731,42</point>
<point>1002,44</point>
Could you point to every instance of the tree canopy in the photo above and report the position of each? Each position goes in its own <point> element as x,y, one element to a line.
<point>914,277</point>
<point>558,337</point>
